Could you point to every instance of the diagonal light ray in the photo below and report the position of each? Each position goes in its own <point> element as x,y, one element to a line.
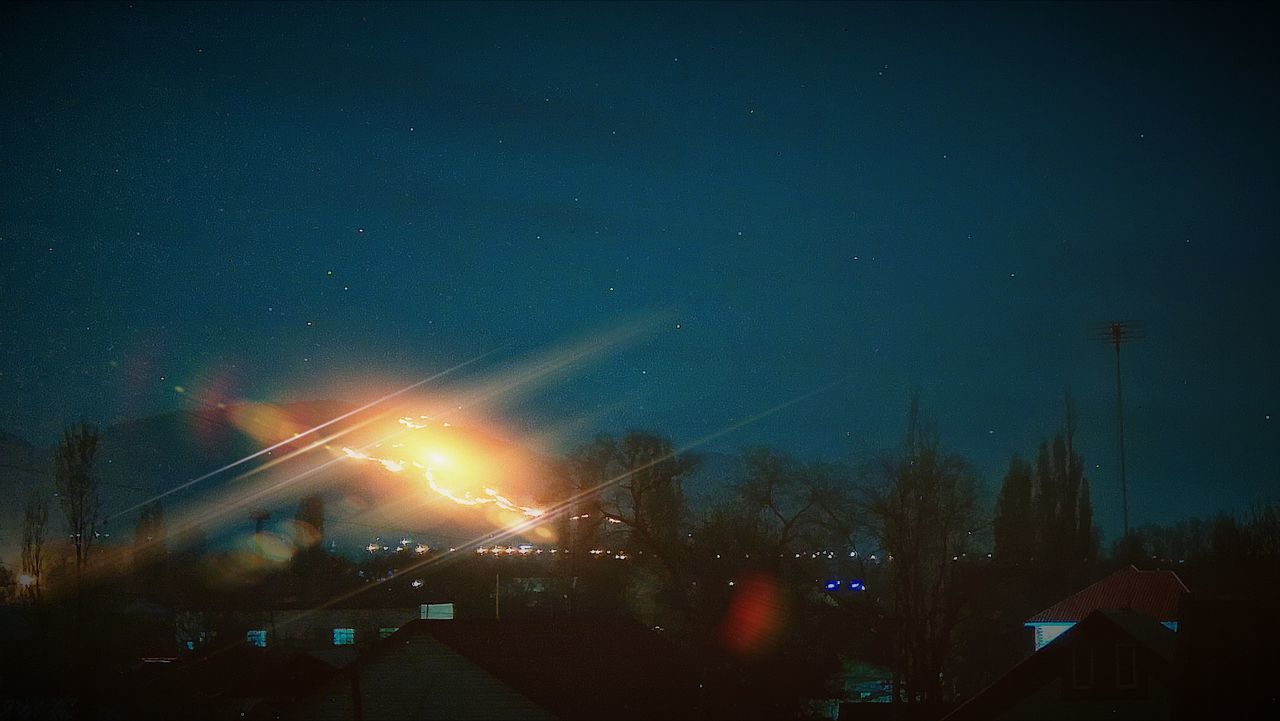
<point>217,510</point>
<point>462,550</point>
<point>268,449</point>
<point>540,368</point>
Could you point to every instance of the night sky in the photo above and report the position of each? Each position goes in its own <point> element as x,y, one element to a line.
<point>280,202</point>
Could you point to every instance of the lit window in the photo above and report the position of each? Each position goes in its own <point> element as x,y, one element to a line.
<point>384,632</point>
<point>1126,666</point>
<point>1082,667</point>
<point>344,636</point>
<point>257,637</point>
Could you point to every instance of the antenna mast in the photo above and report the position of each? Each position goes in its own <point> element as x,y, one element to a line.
<point>1118,333</point>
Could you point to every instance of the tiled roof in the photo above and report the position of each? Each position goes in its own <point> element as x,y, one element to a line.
<point>1154,593</point>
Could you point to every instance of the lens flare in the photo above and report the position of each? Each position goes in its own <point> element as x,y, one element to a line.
<point>756,616</point>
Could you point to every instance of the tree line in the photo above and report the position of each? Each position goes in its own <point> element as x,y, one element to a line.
<point>942,583</point>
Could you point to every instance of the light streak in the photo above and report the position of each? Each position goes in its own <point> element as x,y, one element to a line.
<point>287,441</point>
<point>491,496</point>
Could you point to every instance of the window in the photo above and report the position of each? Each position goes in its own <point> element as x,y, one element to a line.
<point>1126,666</point>
<point>257,637</point>
<point>437,611</point>
<point>344,636</point>
<point>1082,667</point>
<point>384,632</point>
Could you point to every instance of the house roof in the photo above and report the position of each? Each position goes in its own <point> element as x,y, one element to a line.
<point>577,668</point>
<point>1153,593</point>
<point>1034,672</point>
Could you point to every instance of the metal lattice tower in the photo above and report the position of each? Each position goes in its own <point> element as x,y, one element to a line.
<point>1118,333</point>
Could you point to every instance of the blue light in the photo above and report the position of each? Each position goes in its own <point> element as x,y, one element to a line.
<point>833,585</point>
<point>856,585</point>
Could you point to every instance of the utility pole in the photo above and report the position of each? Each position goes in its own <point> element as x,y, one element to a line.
<point>1118,333</point>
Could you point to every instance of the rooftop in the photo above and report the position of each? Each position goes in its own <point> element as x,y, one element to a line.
<point>1153,593</point>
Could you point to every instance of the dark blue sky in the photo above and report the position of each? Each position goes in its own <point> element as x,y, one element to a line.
<point>940,196</point>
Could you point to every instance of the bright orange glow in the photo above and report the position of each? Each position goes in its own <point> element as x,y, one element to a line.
<point>448,466</point>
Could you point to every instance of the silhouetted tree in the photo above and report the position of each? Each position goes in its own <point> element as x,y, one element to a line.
<point>647,500</point>
<point>1086,535</point>
<point>1132,548</point>
<point>150,527</point>
<point>751,551</point>
<point>584,475</point>
<point>310,562</point>
<point>581,477</point>
<point>1227,539</point>
<point>1061,496</point>
<point>924,504</point>
<point>780,507</point>
<point>778,500</point>
<point>149,543</point>
<point>186,560</point>
<point>1013,527</point>
<point>1264,530</point>
<point>8,585</point>
<point>77,487</point>
<point>309,521</point>
<point>651,501</point>
<point>35,520</point>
